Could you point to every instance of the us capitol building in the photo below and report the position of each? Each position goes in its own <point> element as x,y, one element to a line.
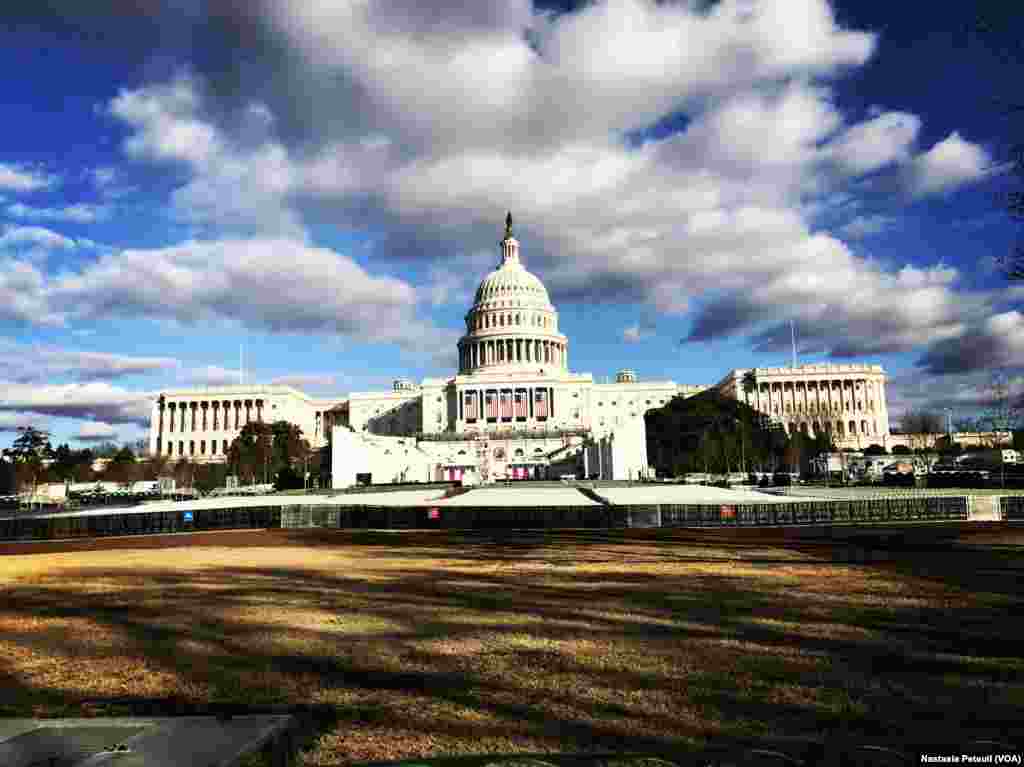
<point>514,409</point>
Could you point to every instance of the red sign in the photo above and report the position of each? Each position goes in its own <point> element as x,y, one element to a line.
<point>728,512</point>
<point>434,514</point>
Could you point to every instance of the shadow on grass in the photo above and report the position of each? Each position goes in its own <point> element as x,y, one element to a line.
<point>415,656</point>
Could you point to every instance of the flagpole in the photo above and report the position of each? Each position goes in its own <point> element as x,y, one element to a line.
<point>792,332</point>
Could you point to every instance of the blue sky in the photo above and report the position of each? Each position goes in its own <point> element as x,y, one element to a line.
<point>326,183</point>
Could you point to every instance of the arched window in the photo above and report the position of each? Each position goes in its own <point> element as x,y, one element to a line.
<point>853,427</point>
<point>863,427</point>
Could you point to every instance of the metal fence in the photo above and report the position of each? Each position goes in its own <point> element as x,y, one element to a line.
<point>426,518</point>
<point>138,523</point>
<point>836,512</point>
<point>866,511</point>
<point>1011,508</point>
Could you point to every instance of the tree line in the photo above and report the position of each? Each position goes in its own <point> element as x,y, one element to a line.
<point>262,453</point>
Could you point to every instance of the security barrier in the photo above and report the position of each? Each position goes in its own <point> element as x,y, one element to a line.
<point>1011,508</point>
<point>138,523</point>
<point>898,509</point>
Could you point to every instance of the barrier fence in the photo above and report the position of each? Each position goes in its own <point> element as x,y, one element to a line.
<point>138,523</point>
<point>1011,508</point>
<point>348,516</point>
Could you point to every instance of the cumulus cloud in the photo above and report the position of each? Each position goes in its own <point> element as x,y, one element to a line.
<point>273,285</point>
<point>631,334</point>
<point>35,236</point>
<point>94,431</point>
<point>997,342</point>
<point>637,332</point>
<point>870,145</point>
<point>212,375</point>
<point>22,179</point>
<point>81,213</point>
<point>425,124</point>
<point>103,177</point>
<point>949,164</point>
<point>866,226</point>
<point>23,363</point>
<point>14,421</point>
<point>965,394</point>
<point>96,401</point>
<point>23,296</point>
<point>305,379</point>
<point>239,185</point>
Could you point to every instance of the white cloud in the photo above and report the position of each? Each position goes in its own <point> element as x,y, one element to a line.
<point>103,177</point>
<point>212,375</point>
<point>272,285</point>
<point>239,187</point>
<point>23,294</point>
<point>13,421</point>
<point>21,179</point>
<point>35,236</point>
<point>870,145</point>
<point>94,431</point>
<point>95,401</point>
<point>995,342</point>
<point>300,380</point>
<point>634,333</point>
<point>80,213</point>
<point>865,226</point>
<point>439,122</point>
<point>24,363</point>
<point>951,163</point>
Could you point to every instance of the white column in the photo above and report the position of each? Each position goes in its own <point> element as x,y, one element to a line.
<point>156,423</point>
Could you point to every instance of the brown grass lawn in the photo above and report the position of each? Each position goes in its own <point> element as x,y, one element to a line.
<point>444,643</point>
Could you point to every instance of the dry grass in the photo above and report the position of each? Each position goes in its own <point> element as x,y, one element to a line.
<point>446,644</point>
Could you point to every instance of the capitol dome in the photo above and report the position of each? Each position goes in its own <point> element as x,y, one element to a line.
<point>512,322</point>
<point>512,282</point>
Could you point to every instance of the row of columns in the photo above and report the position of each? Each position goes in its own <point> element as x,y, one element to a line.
<point>859,395</point>
<point>193,447</point>
<point>215,415</point>
<point>504,351</point>
<point>840,429</point>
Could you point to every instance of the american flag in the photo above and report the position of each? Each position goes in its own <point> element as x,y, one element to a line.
<point>520,404</point>
<point>506,404</point>
<point>540,408</point>
<point>471,413</point>
<point>492,405</point>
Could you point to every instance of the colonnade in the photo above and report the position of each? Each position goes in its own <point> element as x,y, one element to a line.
<point>845,407</point>
<point>199,417</point>
<point>508,351</point>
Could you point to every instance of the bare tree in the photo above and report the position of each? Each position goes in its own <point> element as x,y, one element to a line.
<point>1002,415</point>
<point>921,428</point>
